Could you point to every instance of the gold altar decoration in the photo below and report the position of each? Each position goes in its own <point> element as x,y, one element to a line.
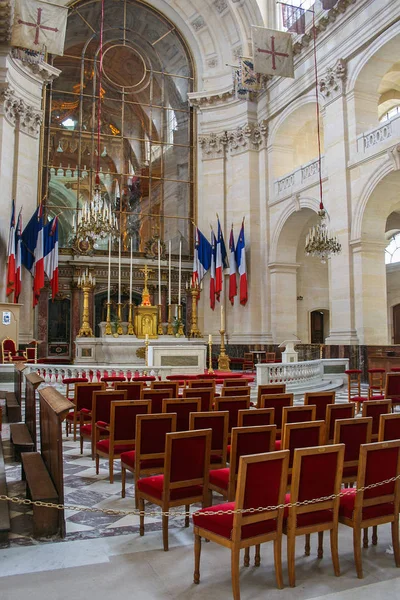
<point>194,329</point>
<point>170,329</point>
<point>223,358</point>
<point>119,319</point>
<point>87,283</point>
<point>108,329</point>
<point>145,293</point>
<point>210,369</point>
<point>146,315</point>
<point>131,330</point>
<point>180,331</point>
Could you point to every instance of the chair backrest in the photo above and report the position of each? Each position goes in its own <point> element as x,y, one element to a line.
<point>392,386</point>
<point>317,472</point>
<point>302,435</point>
<point>352,433</point>
<point>270,356</point>
<point>187,460</point>
<point>182,407</point>
<point>271,467</point>
<point>297,414</point>
<point>335,412</point>
<point>261,416</point>
<point>205,394</point>
<point>248,356</point>
<point>236,391</point>
<point>123,419</point>
<point>166,385</point>
<point>101,404</point>
<point>379,461</point>
<point>389,427</point>
<point>235,382</point>
<point>8,345</point>
<point>31,352</point>
<point>133,388</point>
<point>84,394</point>
<point>277,402</point>
<point>218,423</point>
<point>232,405</point>
<point>151,431</point>
<point>270,389</point>
<point>156,397</point>
<point>201,383</point>
<point>321,401</point>
<point>374,409</point>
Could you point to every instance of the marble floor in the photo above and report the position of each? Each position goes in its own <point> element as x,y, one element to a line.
<point>103,556</point>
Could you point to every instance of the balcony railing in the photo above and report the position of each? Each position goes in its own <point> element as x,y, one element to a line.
<point>300,178</point>
<point>370,140</point>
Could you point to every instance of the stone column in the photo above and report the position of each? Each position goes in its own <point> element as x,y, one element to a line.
<point>283,300</point>
<point>337,202</point>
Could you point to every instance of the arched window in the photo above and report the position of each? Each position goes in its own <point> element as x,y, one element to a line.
<point>146,124</point>
<point>393,112</point>
<point>392,251</point>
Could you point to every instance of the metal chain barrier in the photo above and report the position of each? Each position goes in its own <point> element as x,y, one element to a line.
<point>174,514</point>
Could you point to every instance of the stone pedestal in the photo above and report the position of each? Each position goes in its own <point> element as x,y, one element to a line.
<point>289,355</point>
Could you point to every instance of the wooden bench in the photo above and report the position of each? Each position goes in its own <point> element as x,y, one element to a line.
<point>13,408</point>
<point>21,439</point>
<point>4,512</point>
<point>39,486</point>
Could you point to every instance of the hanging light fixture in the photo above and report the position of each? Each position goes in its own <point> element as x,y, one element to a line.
<point>319,241</point>
<point>96,220</point>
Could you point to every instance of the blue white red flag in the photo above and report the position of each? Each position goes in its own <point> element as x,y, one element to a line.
<point>11,253</point>
<point>18,259</point>
<point>32,251</point>
<point>221,261</point>
<point>50,236</point>
<point>241,263</point>
<point>232,269</point>
<point>212,271</point>
<point>202,256</point>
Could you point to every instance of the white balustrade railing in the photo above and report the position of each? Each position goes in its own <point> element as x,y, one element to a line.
<point>301,177</point>
<point>295,373</point>
<point>387,130</point>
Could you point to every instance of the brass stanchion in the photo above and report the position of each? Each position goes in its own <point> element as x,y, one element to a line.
<point>194,330</point>
<point>223,358</point>
<point>210,369</point>
<point>108,329</point>
<point>87,283</point>
<point>170,329</point>
<point>131,331</point>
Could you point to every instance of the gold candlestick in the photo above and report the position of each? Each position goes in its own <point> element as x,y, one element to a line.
<point>210,369</point>
<point>160,330</point>
<point>170,329</point>
<point>108,329</point>
<point>130,320</point>
<point>223,358</point>
<point>194,330</point>
<point>180,326</point>
<point>119,319</point>
<point>87,283</point>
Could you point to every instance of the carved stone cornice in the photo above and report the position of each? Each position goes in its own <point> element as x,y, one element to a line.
<point>6,20</point>
<point>34,65</point>
<point>251,136</point>
<point>205,99</point>
<point>18,112</point>
<point>332,84</point>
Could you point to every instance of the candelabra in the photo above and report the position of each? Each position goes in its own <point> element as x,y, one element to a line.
<point>108,329</point>
<point>223,358</point>
<point>119,319</point>
<point>96,220</point>
<point>180,323</point>
<point>210,369</point>
<point>159,327</point>
<point>320,242</point>
<point>194,292</point>
<point>131,331</point>
<point>170,329</point>
<point>87,283</point>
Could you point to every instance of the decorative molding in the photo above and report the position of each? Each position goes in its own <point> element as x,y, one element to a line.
<point>212,62</point>
<point>213,145</point>
<point>198,23</point>
<point>332,84</point>
<point>220,5</point>
<point>251,136</point>
<point>394,155</point>
<point>205,99</point>
<point>18,112</point>
<point>6,20</point>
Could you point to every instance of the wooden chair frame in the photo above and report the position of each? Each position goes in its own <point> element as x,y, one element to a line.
<point>341,424</point>
<point>390,376</point>
<point>290,527</point>
<point>162,394</point>
<point>382,403</point>
<point>287,410</point>
<point>165,502</point>
<point>289,427</point>
<point>248,361</point>
<point>219,404</point>
<point>205,383</point>
<point>267,397</point>
<point>232,392</point>
<point>235,382</point>
<point>309,396</point>
<point>78,386</point>
<point>332,408</point>
<point>268,390</point>
<point>7,354</point>
<point>382,425</point>
<point>166,385</point>
<point>125,385</point>
<point>224,415</point>
<point>181,402</point>
<point>376,382</point>
<point>235,543</point>
<point>187,393</point>
<point>357,523</point>
<point>93,437</point>
<point>245,412</point>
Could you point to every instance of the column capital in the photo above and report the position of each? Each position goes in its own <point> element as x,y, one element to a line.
<point>332,83</point>
<point>250,136</point>
<point>17,111</point>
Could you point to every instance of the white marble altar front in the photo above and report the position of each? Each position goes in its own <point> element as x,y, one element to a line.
<point>189,359</point>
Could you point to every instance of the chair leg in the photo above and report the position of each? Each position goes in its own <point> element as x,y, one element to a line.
<point>357,551</point>
<point>335,551</point>
<point>123,480</point>
<point>235,556</point>
<point>81,441</point>
<point>277,561</point>
<point>395,542</point>
<point>141,518</point>
<point>320,544</point>
<point>291,546</point>
<point>165,532</point>
<point>111,468</point>
<point>307,545</point>
<point>246,560</point>
<point>374,535</point>
<point>136,495</point>
<point>187,517</point>
<point>365,538</point>
<point>74,429</point>
<point>197,554</point>
<point>257,556</point>
<point>97,463</point>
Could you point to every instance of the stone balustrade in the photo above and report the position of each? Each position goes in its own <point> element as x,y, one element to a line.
<point>370,141</point>
<point>308,375</point>
<point>300,178</point>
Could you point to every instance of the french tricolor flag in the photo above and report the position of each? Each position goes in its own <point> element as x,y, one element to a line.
<point>232,269</point>
<point>38,255</point>
<point>18,259</point>
<point>51,254</point>
<point>221,261</point>
<point>11,253</point>
<point>202,256</point>
<point>212,271</point>
<point>241,263</point>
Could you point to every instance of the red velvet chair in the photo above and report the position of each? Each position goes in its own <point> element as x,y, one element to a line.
<point>298,414</point>
<point>156,397</point>
<point>236,382</point>
<point>166,385</point>
<point>245,440</point>
<point>243,530</point>
<point>149,454</point>
<point>218,423</point>
<point>185,478</point>
<point>82,399</point>
<point>10,354</point>
<point>269,389</point>
<point>182,407</point>
<point>234,392</point>
<point>335,412</point>
<point>301,435</point>
<point>352,433</point>
<point>232,405</point>
<point>71,381</point>
<point>248,361</point>
<point>374,409</point>
<point>31,352</point>
<point>317,472</point>
<point>389,427</point>
<point>321,401</point>
<point>376,379</point>
<point>201,383</point>
<point>122,431</point>
<point>133,389</point>
<point>100,415</point>
<point>362,509</point>
<point>354,387</point>
<point>262,416</point>
<point>205,394</point>
<point>392,388</point>
<point>277,402</point>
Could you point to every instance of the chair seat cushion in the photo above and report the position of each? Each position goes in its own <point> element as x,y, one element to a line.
<point>104,446</point>
<point>228,452</point>
<point>222,524</point>
<point>153,486</point>
<point>113,378</point>
<point>86,430</point>
<point>75,380</point>
<point>215,458</point>
<point>278,444</point>
<point>377,397</point>
<point>359,399</point>
<point>18,358</point>
<point>128,459</point>
<point>220,477</point>
<point>352,371</point>
<point>376,370</point>
<point>311,518</point>
<point>346,508</point>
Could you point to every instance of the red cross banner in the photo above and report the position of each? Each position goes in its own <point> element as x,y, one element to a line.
<point>39,25</point>
<point>273,53</point>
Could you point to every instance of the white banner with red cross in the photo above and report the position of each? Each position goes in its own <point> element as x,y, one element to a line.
<point>273,54</point>
<point>39,25</point>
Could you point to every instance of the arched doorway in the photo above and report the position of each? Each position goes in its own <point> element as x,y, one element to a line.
<point>319,326</point>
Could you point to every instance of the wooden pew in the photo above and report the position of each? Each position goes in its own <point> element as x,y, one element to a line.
<point>13,408</point>
<point>23,435</point>
<point>4,512</point>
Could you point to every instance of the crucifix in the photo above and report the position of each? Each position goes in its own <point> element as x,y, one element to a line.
<point>145,292</point>
<point>38,25</point>
<point>273,52</point>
